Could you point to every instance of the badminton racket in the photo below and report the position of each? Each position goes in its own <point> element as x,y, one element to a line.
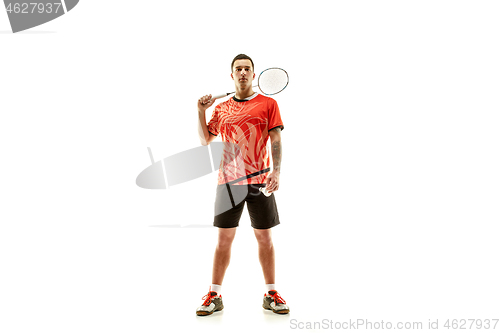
<point>270,82</point>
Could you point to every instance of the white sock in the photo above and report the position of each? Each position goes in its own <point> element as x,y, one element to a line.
<point>216,287</point>
<point>270,287</point>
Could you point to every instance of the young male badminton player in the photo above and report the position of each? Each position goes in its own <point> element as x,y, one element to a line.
<point>246,121</point>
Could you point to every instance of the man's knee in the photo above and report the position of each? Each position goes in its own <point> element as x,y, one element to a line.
<point>263,237</point>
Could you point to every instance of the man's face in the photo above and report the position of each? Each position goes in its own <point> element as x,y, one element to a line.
<point>242,74</point>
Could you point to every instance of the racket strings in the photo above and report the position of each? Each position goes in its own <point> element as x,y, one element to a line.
<point>272,81</point>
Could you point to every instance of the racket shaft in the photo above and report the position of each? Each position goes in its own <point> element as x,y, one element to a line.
<point>226,94</point>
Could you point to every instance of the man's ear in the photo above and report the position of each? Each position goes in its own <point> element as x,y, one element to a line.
<point>232,76</point>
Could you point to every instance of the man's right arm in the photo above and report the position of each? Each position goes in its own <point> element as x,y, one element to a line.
<point>203,104</point>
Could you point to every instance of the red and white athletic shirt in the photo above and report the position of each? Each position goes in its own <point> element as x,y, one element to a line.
<point>245,126</point>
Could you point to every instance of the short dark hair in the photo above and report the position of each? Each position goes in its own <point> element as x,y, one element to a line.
<point>240,57</point>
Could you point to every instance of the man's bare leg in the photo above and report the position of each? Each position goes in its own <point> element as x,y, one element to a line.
<point>266,253</point>
<point>222,254</point>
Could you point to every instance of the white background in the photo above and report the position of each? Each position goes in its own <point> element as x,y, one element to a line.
<point>389,196</point>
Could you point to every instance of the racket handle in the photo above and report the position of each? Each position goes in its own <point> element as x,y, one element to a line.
<point>219,96</point>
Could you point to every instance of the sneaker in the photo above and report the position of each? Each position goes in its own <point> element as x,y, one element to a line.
<point>273,301</point>
<point>212,303</point>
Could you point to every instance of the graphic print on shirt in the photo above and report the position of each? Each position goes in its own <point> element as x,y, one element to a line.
<point>245,124</point>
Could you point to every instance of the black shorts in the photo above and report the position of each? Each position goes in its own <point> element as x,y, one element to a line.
<point>230,200</point>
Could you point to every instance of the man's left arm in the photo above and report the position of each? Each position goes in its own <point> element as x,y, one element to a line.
<point>273,180</point>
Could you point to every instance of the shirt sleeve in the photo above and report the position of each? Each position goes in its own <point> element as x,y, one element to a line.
<point>274,115</point>
<point>213,124</point>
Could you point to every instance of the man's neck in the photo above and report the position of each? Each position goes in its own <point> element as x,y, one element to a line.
<point>242,94</point>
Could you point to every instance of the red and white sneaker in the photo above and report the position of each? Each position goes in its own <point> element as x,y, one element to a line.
<point>212,303</point>
<point>274,301</point>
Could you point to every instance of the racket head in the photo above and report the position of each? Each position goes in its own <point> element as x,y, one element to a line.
<point>272,80</point>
